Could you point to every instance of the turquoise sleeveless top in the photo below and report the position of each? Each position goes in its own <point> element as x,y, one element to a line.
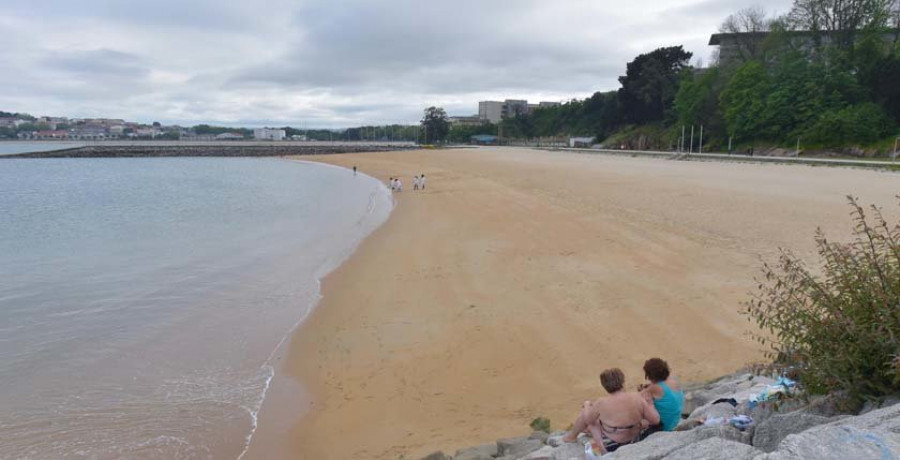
<point>669,407</point>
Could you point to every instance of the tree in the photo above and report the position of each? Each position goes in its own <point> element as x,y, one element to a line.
<point>435,125</point>
<point>746,26</point>
<point>697,99</point>
<point>650,84</point>
<point>743,100</point>
<point>841,19</point>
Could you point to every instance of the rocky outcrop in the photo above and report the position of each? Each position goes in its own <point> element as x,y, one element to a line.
<point>789,428</point>
<point>768,434</point>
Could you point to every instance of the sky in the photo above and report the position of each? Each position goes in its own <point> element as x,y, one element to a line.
<point>329,63</point>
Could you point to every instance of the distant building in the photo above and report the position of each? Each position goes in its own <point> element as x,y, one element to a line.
<point>514,107</point>
<point>117,130</point>
<point>581,141</point>
<point>146,132</point>
<point>192,136</point>
<point>269,134</point>
<point>229,137</point>
<point>51,134</point>
<point>546,104</point>
<point>299,137</point>
<point>742,46</point>
<point>472,120</point>
<point>491,111</point>
<point>87,133</point>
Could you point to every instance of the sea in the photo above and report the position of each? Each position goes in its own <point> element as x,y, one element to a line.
<point>142,300</point>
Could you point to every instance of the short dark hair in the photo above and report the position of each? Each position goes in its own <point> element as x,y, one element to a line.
<point>656,370</point>
<point>612,380</point>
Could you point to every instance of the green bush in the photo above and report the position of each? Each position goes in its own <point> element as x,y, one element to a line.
<point>540,424</point>
<point>837,328</point>
<point>864,123</point>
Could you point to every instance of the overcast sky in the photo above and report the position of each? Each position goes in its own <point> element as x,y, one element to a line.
<point>328,63</point>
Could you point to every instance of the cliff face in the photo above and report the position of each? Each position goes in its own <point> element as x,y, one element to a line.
<point>784,425</point>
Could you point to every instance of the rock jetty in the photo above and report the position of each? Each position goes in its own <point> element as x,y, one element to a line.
<point>788,427</point>
<point>187,150</point>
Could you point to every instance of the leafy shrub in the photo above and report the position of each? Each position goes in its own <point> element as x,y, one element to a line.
<point>541,424</point>
<point>864,123</point>
<point>838,330</point>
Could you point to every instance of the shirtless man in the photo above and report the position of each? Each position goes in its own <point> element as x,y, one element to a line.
<point>617,419</point>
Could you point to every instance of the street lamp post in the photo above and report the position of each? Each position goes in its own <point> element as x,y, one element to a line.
<point>894,155</point>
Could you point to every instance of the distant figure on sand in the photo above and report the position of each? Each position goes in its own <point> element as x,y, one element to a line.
<point>615,420</point>
<point>415,182</point>
<point>665,392</point>
<point>399,184</point>
<point>422,182</point>
<point>354,170</point>
<point>391,183</point>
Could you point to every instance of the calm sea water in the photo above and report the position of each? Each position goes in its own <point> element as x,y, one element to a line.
<point>141,299</point>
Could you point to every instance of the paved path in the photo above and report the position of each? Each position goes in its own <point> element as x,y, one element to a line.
<point>737,157</point>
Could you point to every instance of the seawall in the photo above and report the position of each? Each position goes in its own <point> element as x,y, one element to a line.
<point>210,150</point>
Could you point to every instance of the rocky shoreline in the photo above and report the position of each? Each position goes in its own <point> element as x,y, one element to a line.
<point>786,426</point>
<point>273,150</point>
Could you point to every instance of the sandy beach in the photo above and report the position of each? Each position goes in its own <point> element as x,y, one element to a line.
<point>499,293</point>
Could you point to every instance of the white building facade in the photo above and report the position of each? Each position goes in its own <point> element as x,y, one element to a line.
<point>269,134</point>
<point>491,111</point>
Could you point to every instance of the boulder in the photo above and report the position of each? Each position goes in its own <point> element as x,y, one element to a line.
<point>436,456</point>
<point>517,447</point>
<point>540,436</point>
<point>569,451</point>
<point>482,452</point>
<point>658,445</point>
<point>555,439</point>
<point>869,406</point>
<point>544,453</point>
<point>770,432</point>
<point>838,443</point>
<point>722,409</point>
<point>714,449</point>
<point>831,405</point>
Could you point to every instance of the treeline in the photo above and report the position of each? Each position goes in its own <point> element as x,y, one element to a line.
<point>827,73</point>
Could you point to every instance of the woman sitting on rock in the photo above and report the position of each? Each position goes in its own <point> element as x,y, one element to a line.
<point>666,394</point>
<point>617,419</point>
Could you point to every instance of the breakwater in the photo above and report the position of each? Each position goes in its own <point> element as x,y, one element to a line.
<point>231,149</point>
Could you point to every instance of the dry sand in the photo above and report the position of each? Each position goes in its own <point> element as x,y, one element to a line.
<point>499,293</point>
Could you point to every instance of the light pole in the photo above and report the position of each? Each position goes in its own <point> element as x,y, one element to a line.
<point>894,155</point>
<point>700,147</point>
<point>691,148</point>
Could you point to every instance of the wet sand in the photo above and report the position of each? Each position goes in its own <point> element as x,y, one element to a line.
<point>499,293</point>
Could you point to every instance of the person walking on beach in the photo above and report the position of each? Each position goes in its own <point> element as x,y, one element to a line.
<point>415,182</point>
<point>354,170</point>
<point>422,182</point>
<point>391,183</point>
<point>399,184</point>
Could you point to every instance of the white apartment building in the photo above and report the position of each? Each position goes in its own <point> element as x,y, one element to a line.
<point>491,111</point>
<point>269,134</point>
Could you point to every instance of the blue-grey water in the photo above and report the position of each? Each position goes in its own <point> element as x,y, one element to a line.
<point>141,299</point>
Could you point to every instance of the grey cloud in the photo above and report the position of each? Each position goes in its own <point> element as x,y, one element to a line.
<point>329,63</point>
<point>100,63</point>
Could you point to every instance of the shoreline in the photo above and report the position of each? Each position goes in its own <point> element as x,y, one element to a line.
<point>280,350</point>
<point>431,338</point>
